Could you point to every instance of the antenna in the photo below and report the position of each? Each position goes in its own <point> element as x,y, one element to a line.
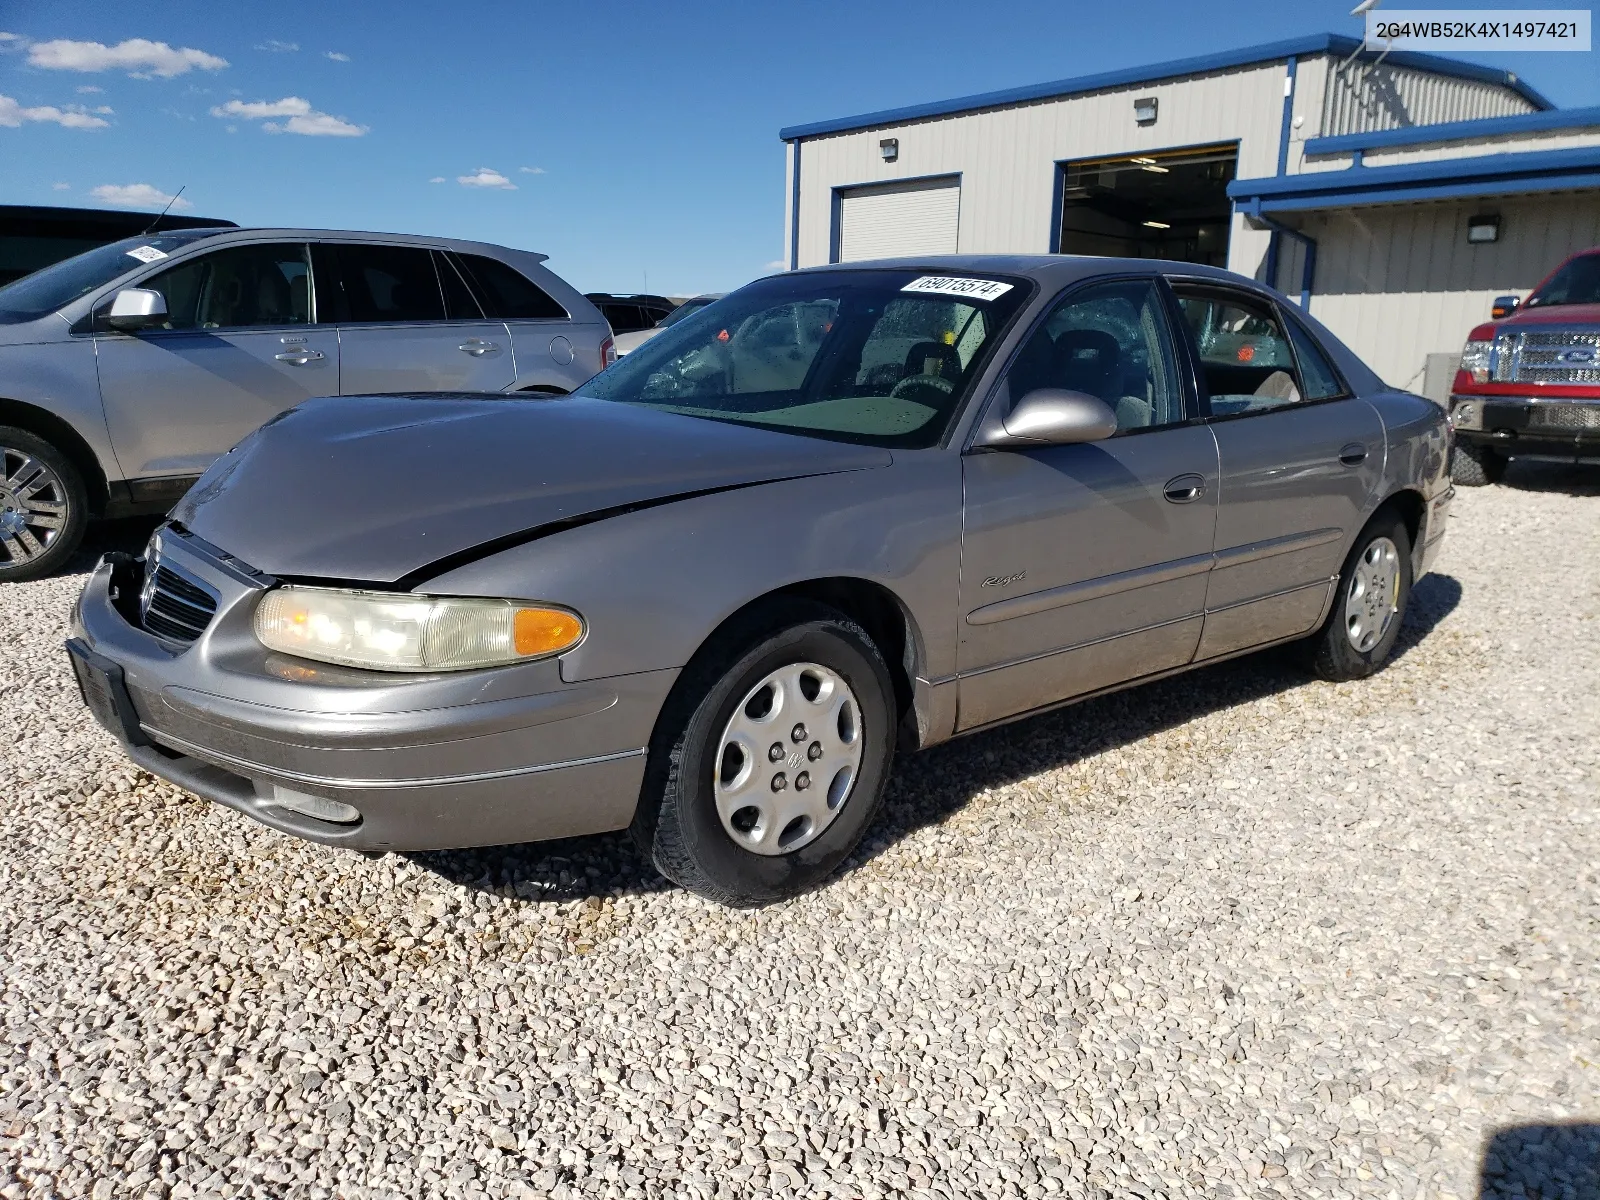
<point>1364,7</point>
<point>163,212</point>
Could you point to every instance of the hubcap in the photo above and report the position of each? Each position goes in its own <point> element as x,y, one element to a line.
<point>788,759</point>
<point>33,506</point>
<point>1374,594</point>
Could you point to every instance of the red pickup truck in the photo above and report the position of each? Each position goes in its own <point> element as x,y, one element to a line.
<point>1529,383</point>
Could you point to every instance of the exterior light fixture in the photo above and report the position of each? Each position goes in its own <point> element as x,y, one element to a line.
<point>1157,225</point>
<point>1483,229</point>
<point>890,149</point>
<point>1144,110</point>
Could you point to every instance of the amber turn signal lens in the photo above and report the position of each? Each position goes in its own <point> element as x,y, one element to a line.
<point>544,630</point>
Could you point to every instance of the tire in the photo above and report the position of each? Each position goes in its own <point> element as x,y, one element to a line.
<point>1475,466</point>
<point>44,506</point>
<point>1379,564</point>
<point>695,811</point>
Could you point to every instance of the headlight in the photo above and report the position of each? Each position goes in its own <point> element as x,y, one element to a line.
<point>388,632</point>
<point>1476,359</point>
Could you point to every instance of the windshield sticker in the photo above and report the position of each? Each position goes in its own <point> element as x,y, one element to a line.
<point>146,254</point>
<point>948,285</point>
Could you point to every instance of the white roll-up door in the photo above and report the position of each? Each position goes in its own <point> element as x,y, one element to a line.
<point>895,220</point>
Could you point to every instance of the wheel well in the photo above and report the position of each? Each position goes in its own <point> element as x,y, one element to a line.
<point>545,389</point>
<point>64,438</point>
<point>1411,507</point>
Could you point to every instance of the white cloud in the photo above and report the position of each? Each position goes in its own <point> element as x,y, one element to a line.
<point>139,57</point>
<point>437,179</point>
<point>105,110</point>
<point>303,119</point>
<point>274,46</point>
<point>337,57</point>
<point>777,264</point>
<point>89,89</point>
<point>136,195</point>
<point>60,187</point>
<point>12,115</point>
<point>10,37</point>
<point>486,177</point>
<point>532,170</point>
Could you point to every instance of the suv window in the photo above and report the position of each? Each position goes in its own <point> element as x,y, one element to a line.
<point>507,294</point>
<point>1111,341</point>
<point>1245,357</point>
<point>236,288</point>
<point>387,284</point>
<point>459,304</point>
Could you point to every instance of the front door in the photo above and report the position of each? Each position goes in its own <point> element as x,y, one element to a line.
<point>408,323</point>
<point>1302,462</point>
<point>240,345</point>
<point>1085,565</point>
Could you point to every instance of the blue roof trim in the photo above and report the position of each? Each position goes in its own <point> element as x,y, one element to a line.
<point>1457,131</point>
<point>1487,175</point>
<point>1320,43</point>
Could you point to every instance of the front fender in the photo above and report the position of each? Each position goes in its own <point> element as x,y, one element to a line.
<point>653,585</point>
<point>59,376</point>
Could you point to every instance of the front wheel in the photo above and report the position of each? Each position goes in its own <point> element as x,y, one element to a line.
<point>769,761</point>
<point>1374,589</point>
<point>1472,465</point>
<point>44,506</point>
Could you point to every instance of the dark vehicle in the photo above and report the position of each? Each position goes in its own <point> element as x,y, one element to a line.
<point>628,314</point>
<point>33,237</point>
<point>1529,381</point>
<point>838,512</point>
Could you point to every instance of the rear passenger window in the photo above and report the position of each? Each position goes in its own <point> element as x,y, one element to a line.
<point>1321,381</point>
<point>507,293</point>
<point>458,302</point>
<point>1244,354</point>
<point>386,284</point>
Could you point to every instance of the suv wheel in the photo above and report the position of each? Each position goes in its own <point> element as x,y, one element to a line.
<point>44,506</point>
<point>769,761</point>
<point>1474,466</point>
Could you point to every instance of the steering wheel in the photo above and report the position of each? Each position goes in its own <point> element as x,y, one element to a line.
<point>902,390</point>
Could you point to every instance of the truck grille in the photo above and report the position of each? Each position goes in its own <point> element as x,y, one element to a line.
<point>1548,356</point>
<point>1564,416</point>
<point>174,607</point>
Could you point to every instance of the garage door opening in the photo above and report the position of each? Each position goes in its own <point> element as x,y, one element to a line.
<point>1165,204</point>
<point>895,220</point>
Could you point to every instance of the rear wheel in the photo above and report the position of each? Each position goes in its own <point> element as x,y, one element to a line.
<point>1472,465</point>
<point>770,760</point>
<point>44,506</point>
<point>1374,589</point>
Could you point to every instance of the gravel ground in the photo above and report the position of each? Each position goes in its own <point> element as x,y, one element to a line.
<point>1234,934</point>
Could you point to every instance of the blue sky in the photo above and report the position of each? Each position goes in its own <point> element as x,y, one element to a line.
<point>636,142</point>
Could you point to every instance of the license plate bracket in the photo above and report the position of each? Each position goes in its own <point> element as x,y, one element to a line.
<point>105,691</point>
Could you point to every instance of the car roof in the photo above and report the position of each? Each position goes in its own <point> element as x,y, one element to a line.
<point>1049,268</point>
<point>354,235</point>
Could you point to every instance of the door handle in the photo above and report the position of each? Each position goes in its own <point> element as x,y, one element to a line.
<point>1184,489</point>
<point>1353,455</point>
<point>299,358</point>
<point>477,347</point>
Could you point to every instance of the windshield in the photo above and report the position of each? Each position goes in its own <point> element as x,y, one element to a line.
<point>1577,282</point>
<point>687,309</point>
<point>57,286</point>
<point>883,358</point>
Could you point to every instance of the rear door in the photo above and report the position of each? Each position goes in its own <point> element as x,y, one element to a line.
<point>549,351</point>
<point>1302,462</point>
<point>408,322</point>
<point>240,345</point>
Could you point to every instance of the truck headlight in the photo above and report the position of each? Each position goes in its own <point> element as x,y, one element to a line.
<point>1476,360</point>
<point>384,631</point>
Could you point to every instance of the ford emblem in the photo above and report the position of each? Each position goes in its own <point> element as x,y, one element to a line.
<point>1580,356</point>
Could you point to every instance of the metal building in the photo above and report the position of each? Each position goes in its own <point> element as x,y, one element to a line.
<point>1349,179</point>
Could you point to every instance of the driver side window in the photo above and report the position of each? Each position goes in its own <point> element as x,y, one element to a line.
<point>238,288</point>
<point>1111,341</point>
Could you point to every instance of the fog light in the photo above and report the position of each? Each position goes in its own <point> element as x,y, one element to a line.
<point>317,807</point>
<point>1466,416</point>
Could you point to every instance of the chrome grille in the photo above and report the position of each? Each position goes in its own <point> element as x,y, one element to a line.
<point>1564,416</point>
<point>174,607</point>
<point>1548,356</point>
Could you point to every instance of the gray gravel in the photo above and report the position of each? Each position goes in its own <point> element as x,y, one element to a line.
<point>1236,934</point>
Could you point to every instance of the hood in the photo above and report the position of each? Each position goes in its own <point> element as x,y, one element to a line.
<point>1554,314</point>
<point>379,488</point>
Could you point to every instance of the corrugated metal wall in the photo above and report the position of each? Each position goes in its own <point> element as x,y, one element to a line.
<point>1398,282</point>
<point>1007,157</point>
<point>1362,97</point>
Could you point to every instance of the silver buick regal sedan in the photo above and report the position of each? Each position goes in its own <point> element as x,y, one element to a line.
<point>840,512</point>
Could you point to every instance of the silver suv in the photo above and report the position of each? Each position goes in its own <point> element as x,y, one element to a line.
<point>126,370</point>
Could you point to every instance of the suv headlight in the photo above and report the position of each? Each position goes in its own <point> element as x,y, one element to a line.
<point>1476,359</point>
<point>384,631</point>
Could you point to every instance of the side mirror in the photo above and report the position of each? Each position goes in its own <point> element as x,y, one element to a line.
<point>133,309</point>
<point>1503,306</point>
<point>1052,417</point>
